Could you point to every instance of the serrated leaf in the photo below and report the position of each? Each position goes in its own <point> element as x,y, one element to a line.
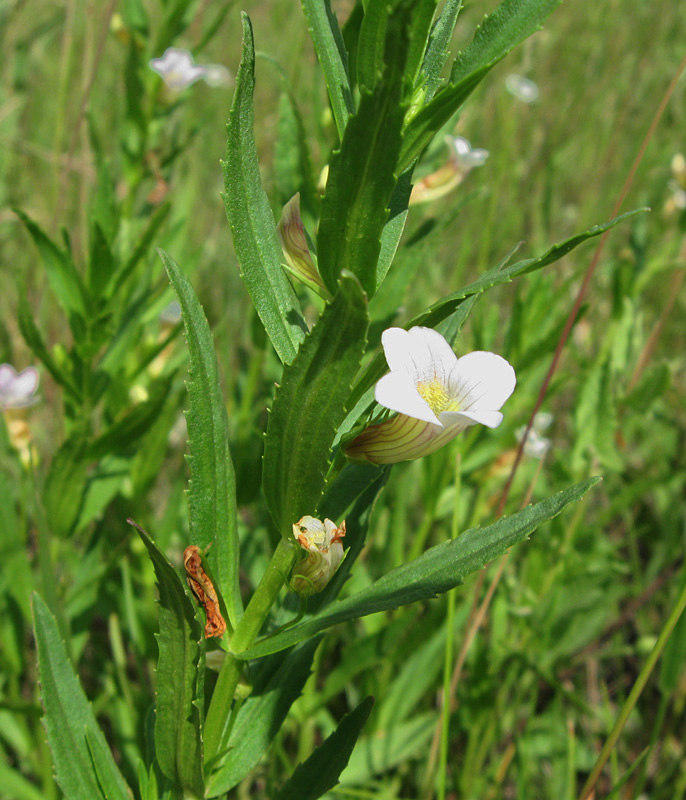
<point>322,769</point>
<point>310,405</point>
<point>363,173</point>
<point>333,59</point>
<point>500,31</point>
<point>82,770</point>
<point>212,488</point>
<point>180,677</point>
<point>439,46</point>
<point>261,716</point>
<point>251,219</point>
<point>436,571</point>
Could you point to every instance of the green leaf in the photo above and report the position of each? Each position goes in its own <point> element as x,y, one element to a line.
<point>362,174</point>
<point>62,275</point>
<point>419,34</point>
<point>436,571</point>
<point>445,307</point>
<point>310,405</point>
<point>34,340</point>
<point>333,59</point>
<point>142,246</point>
<point>500,31</point>
<point>251,219</point>
<point>320,772</point>
<point>261,716</point>
<point>212,488</point>
<point>180,677</point>
<point>83,762</point>
<point>129,429</point>
<point>65,485</point>
<point>382,750</point>
<point>439,46</point>
<point>101,263</point>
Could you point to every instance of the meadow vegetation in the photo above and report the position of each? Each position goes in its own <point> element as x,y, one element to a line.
<point>498,681</point>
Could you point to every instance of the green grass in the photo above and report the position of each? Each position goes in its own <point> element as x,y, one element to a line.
<point>578,609</point>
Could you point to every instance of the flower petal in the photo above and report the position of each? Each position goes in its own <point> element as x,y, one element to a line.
<point>7,375</point>
<point>398,392</point>
<point>491,419</point>
<point>420,352</point>
<point>481,381</point>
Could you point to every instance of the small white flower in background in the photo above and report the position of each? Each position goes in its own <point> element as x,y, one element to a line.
<point>178,70</point>
<point>436,393</point>
<point>521,88</point>
<point>536,444</point>
<point>217,76</point>
<point>677,186</point>
<point>17,389</point>
<point>322,542</point>
<point>463,158</point>
<point>466,157</point>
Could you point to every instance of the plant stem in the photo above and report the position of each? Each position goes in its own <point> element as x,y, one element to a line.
<point>216,722</point>
<point>635,693</point>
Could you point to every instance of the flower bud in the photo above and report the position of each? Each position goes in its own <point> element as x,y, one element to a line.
<point>322,543</point>
<point>296,249</point>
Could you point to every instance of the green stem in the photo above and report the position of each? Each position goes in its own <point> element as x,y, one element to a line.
<point>635,693</point>
<point>216,721</point>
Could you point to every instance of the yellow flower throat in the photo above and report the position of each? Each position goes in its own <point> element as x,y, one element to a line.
<point>436,396</point>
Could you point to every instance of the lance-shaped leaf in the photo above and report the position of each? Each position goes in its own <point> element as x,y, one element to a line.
<point>63,277</point>
<point>436,571</point>
<point>363,173</point>
<point>261,716</point>
<point>83,762</point>
<point>251,219</point>
<point>447,305</point>
<point>439,46</point>
<point>212,487</point>
<point>180,677</point>
<point>310,405</point>
<point>320,772</point>
<point>508,25</point>
<point>333,59</point>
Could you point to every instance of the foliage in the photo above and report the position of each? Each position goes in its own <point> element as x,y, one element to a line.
<point>394,681</point>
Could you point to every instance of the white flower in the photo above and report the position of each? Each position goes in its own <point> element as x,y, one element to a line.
<point>436,394</point>
<point>322,541</point>
<point>463,158</point>
<point>178,70</point>
<point>217,76</point>
<point>521,88</point>
<point>536,444</point>
<point>17,390</point>
<point>466,156</point>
